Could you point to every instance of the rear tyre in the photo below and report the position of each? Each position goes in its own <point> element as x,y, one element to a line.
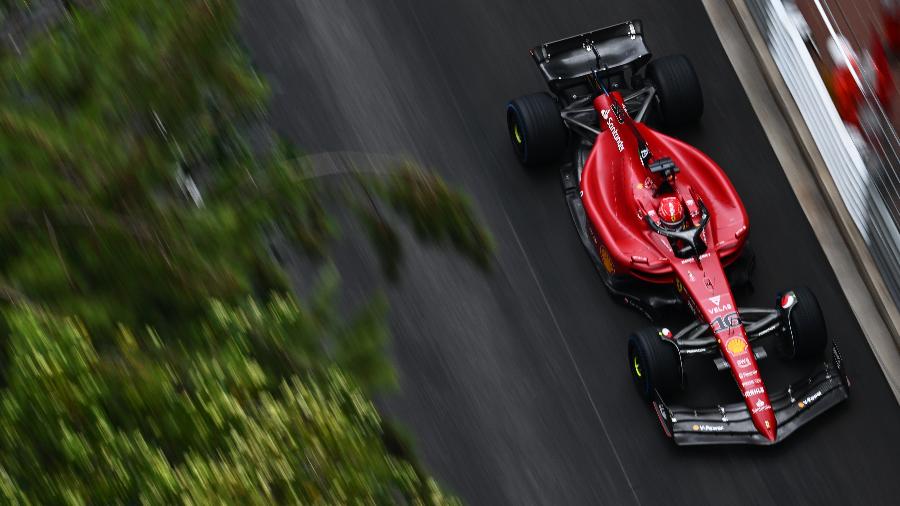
<point>536,130</point>
<point>655,363</point>
<point>678,90</point>
<point>806,336</point>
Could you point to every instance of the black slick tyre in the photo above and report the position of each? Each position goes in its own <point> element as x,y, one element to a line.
<point>655,363</point>
<point>536,130</point>
<point>678,90</point>
<point>806,335</point>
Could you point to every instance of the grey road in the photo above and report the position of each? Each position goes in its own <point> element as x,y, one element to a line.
<point>514,384</point>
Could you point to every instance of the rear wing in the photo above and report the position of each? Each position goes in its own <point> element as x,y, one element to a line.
<point>568,62</point>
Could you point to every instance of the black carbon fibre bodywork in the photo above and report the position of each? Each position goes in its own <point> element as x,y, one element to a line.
<point>797,405</point>
<point>567,62</point>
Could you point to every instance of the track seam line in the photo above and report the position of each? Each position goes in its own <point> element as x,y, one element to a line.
<point>565,342</point>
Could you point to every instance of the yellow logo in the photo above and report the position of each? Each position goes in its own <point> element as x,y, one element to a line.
<point>736,345</point>
<point>606,259</point>
<point>696,427</point>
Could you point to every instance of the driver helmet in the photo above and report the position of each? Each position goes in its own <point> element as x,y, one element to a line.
<point>671,213</point>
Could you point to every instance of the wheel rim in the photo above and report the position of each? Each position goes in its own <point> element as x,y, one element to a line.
<point>516,133</point>
<point>638,372</point>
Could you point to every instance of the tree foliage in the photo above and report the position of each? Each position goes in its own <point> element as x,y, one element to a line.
<point>155,425</point>
<point>132,197</point>
<point>101,123</point>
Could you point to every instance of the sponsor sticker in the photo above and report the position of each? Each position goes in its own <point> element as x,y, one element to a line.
<point>610,124</point>
<point>736,346</point>
<point>743,362</point>
<point>606,259</point>
<point>708,428</point>
<point>753,391</point>
<point>750,383</point>
<point>689,260</point>
<point>721,309</point>
<point>716,300</point>
<point>748,374</point>
<point>809,400</point>
<point>761,406</point>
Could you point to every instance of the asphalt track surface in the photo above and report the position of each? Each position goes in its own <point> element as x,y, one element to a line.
<point>514,384</point>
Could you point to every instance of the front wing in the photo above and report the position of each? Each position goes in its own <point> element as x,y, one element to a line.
<point>731,423</point>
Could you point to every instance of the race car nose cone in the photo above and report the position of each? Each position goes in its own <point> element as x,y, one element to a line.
<point>766,426</point>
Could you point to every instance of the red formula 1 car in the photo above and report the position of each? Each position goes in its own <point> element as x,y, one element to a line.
<point>667,231</point>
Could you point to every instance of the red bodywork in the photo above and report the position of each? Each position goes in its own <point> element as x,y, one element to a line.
<point>618,191</point>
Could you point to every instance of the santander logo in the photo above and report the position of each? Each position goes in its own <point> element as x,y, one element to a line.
<point>610,124</point>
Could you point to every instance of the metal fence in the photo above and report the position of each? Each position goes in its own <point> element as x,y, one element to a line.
<point>861,153</point>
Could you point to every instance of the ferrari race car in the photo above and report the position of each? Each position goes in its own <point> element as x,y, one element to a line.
<point>668,233</point>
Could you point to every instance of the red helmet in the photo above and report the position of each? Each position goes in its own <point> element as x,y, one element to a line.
<point>671,213</point>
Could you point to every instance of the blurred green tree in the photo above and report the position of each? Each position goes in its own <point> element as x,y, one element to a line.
<point>133,195</point>
<point>131,191</point>
<point>156,425</point>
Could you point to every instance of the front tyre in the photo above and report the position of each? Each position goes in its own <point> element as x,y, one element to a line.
<point>655,362</point>
<point>536,130</point>
<point>806,336</point>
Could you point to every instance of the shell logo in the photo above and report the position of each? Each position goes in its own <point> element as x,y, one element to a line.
<point>696,427</point>
<point>736,345</point>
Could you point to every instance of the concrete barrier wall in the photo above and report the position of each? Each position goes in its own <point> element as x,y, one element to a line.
<point>863,171</point>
